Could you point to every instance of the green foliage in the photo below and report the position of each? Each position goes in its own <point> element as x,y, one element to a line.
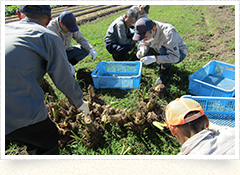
<point>11,9</point>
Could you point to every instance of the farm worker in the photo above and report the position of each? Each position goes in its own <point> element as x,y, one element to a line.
<point>118,39</point>
<point>143,10</point>
<point>66,27</point>
<point>159,43</point>
<point>188,123</point>
<point>31,50</point>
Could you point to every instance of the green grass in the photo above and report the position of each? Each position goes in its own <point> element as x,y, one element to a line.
<point>194,25</point>
<point>119,141</point>
<point>188,21</point>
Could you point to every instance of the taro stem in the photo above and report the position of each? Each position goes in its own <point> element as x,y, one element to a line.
<point>89,124</point>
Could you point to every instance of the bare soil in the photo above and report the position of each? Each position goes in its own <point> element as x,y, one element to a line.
<point>217,44</point>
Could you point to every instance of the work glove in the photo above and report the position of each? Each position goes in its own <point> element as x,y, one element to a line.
<point>148,59</point>
<point>93,53</point>
<point>73,70</point>
<point>140,53</point>
<point>85,108</point>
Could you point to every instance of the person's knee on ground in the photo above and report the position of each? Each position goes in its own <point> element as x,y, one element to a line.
<point>39,138</point>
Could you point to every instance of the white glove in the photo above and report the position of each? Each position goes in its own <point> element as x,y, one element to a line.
<point>93,53</point>
<point>85,108</point>
<point>73,70</point>
<point>148,59</point>
<point>140,53</point>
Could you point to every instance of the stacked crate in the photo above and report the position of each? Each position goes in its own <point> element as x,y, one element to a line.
<point>214,87</point>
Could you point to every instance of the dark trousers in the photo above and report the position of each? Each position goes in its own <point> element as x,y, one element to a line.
<point>119,52</point>
<point>76,54</point>
<point>40,138</point>
<point>164,68</point>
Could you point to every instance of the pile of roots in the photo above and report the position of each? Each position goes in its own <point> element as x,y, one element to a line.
<point>70,120</point>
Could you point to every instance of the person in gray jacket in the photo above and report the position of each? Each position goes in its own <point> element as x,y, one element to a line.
<point>31,50</point>
<point>118,39</point>
<point>143,10</point>
<point>159,42</point>
<point>187,122</point>
<point>66,27</point>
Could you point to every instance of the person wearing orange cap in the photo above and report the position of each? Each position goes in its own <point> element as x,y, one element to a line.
<point>188,123</point>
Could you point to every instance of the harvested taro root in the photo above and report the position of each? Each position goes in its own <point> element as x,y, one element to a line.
<point>67,119</point>
<point>90,130</point>
<point>158,90</point>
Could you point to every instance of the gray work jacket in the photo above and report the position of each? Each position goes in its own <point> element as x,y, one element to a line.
<point>117,33</point>
<point>67,37</point>
<point>166,36</point>
<point>31,50</point>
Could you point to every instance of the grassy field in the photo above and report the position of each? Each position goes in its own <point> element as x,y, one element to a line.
<point>190,22</point>
<point>199,28</point>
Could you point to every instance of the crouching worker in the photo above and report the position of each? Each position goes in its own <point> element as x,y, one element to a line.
<point>143,10</point>
<point>66,27</point>
<point>188,123</point>
<point>118,39</point>
<point>31,50</point>
<point>160,43</point>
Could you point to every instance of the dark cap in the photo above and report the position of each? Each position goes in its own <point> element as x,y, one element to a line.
<point>38,9</point>
<point>145,8</point>
<point>69,20</point>
<point>141,27</point>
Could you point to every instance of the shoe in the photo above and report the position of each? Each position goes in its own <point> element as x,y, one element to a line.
<point>162,79</point>
<point>117,57</point>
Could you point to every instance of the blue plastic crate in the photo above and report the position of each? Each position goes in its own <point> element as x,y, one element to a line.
<point>121,75</point>
<point>214,79</point>
<point>219,110</point>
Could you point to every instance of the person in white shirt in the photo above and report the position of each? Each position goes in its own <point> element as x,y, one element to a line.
<point>187,122</point>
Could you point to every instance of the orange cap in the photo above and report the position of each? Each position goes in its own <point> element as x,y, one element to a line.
<point>179,108</point>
